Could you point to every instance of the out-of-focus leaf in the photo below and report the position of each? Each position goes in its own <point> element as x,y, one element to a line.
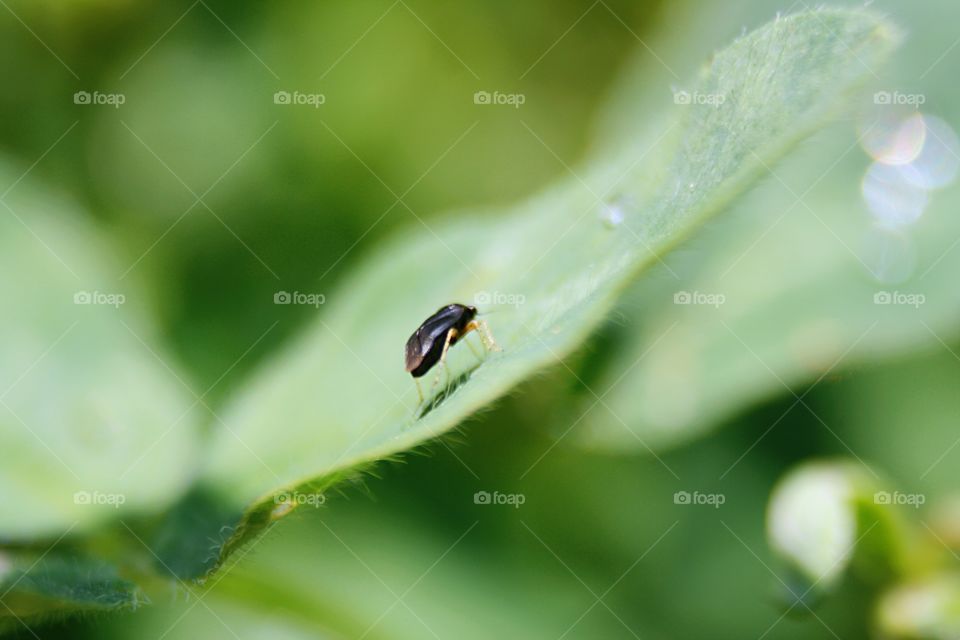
<point>342,577</point>
<point>794,276</point>
<point>92,422</point>
<point>768,305</point>
<point>339,398</point>
<point>37,586</point>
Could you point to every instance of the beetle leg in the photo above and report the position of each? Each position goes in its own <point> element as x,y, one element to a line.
<point>419,391</point>
<point>486,331</point>
<point>443,358</point>
<point>485,336</point>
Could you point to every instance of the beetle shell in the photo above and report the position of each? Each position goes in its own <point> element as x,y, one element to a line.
<point>425,346</point>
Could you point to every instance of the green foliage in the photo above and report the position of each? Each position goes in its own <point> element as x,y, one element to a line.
<point>334,573</point>
<point>38,586</point>
<point>336,400</point>
<point>340,392</point>
<point>795,302</point>
<point>86,398</point>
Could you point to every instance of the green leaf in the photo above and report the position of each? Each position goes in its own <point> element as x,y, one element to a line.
<point>798,280</point>
<point>795,302</point>
<point>37,586</point>
<point>339,397</point>
<point>333,573</point>
<point>93,424</point>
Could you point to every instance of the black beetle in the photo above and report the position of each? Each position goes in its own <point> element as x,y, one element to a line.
<point>429,343</point>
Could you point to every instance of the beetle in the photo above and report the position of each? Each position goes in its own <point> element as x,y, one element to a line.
<point>429,343</point>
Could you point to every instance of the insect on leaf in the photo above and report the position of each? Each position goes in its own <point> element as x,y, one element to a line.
<point>550,268</point>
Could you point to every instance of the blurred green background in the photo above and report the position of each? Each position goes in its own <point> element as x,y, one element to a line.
<point>294,197</point>
<point>399,115</point>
